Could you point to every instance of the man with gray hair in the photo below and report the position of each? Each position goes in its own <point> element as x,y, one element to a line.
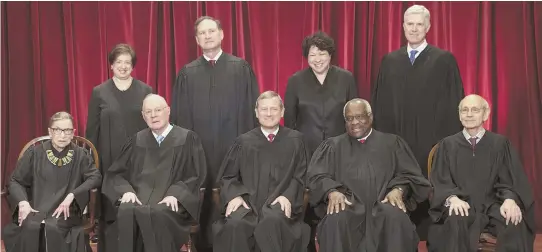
<point>363,183</point>
<point>416,95</point>
<point>479,186</point>
<point>262,181</point>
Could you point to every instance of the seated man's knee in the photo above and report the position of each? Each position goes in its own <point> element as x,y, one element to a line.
<point>340,218</point>
<point>32,222</point>
<point>457,218</point>
<point>238,219</point>
<point>393,213</point>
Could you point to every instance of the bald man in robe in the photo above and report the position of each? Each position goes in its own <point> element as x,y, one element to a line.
<point>479,186</point>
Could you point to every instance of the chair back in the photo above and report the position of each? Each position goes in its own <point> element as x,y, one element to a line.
<point>89,221</point>
<point>430,159</point>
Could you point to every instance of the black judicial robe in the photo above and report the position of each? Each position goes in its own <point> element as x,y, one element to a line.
<point>45,185</point>
<point>217,103</point>
<point>365,173</point>
<point>484,178</point>
<point>418,102</point>
<point>315,109</point>
<point>175,168</point>
<point>260,171</point>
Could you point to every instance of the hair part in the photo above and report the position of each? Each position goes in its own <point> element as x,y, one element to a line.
<point>419,9</point>
<point>200,19</point>
<point>367,106</point>
<point>319,39</point>
<point>58,116</point>
<point>269,95</point>
<point>121,49</point>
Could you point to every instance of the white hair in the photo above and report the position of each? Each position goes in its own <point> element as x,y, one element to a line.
<point>419,9</point>
<point>358,100</point>
<point>484,102</point>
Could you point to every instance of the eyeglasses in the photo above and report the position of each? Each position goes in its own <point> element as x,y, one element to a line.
<point>157,111</point>
<point>474,110</point>
<point>58,131</point>
<point>364,117</point>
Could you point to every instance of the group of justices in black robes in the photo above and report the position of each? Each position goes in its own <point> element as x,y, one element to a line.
<point>48,193</point>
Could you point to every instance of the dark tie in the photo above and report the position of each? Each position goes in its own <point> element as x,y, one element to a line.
<point>212,62</point>
<point>361,140</point>
<point>271,137</point>
<point>413,56</point>
<point>473,142</point>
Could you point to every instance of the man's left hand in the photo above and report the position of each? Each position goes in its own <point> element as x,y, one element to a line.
<point>511,212</point>
<point>395,198</point>
<point>64,207</point>
<point>285,205</point>
<point>171,201</point>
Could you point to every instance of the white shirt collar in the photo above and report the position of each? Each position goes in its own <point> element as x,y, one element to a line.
<point>164,134</point>
<point>266,134</point>
<point>365,138</point>
<point>480,134</point>
<point>419,49</point>
<point>216,56</point>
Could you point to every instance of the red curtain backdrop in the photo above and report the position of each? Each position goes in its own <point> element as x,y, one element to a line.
<point>53,53</point>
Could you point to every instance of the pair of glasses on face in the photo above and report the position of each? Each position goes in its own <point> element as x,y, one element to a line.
<point>474,110</point>
<point>360,118</point>
<point>157,111</point>
<point>59,131</point>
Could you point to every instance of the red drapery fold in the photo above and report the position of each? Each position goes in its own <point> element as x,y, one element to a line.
<point>53,53</point>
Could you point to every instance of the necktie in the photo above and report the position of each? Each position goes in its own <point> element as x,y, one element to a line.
<point>159,139</point>
<point>212,62</point>
<point>361,140</point>
<point>271,137</point>
<point>473,141</point>
<point>413,56</point>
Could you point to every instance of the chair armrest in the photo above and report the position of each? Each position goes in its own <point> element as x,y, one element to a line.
<point>216,197</point>
<point>305,199</point>
<point>92,208</point>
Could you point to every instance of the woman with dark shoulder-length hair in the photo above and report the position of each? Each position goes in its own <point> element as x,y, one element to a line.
<point>114,114</point>
<point>315,98</point>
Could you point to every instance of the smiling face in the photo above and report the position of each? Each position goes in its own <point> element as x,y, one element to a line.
<point>208,35</point>
<point>122,66</point>
<point>358,120</point>
<point>269,112</point>
<point>318,60</point>
<point>473,112</point>
<point>416,27</point>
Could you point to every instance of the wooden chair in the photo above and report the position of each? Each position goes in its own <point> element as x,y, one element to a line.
<point>194,228</point>
<point>487,242</point>
<point>90,210</point>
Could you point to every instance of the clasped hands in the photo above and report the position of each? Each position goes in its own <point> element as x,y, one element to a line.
<point>64,208</point>
<point>238,201</point>
<point>510,211</point>
<point>170,201</point>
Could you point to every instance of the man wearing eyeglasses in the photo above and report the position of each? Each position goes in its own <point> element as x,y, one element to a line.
<point>155,183</point>
<point>362,184</point>
<point>49,190</point>
<point>479,186</point>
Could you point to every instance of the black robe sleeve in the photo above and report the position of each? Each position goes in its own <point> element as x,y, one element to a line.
<point>408,176</point>
<point>229,175</point>
<point>290,104</point>
<point>247,106</point>
<point>443,183</point>
<point>93,118</point>
<point>352,88</point>
<point>294,191</point>
<point>379,121</point>
<point>91,177</point>
<point>21,180</point>
<point>115,182</point>
<point>186,191</point>
<point>446,122</point>
<point>181,113</point>
<point>321,179</point>
<point>512,183</point>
